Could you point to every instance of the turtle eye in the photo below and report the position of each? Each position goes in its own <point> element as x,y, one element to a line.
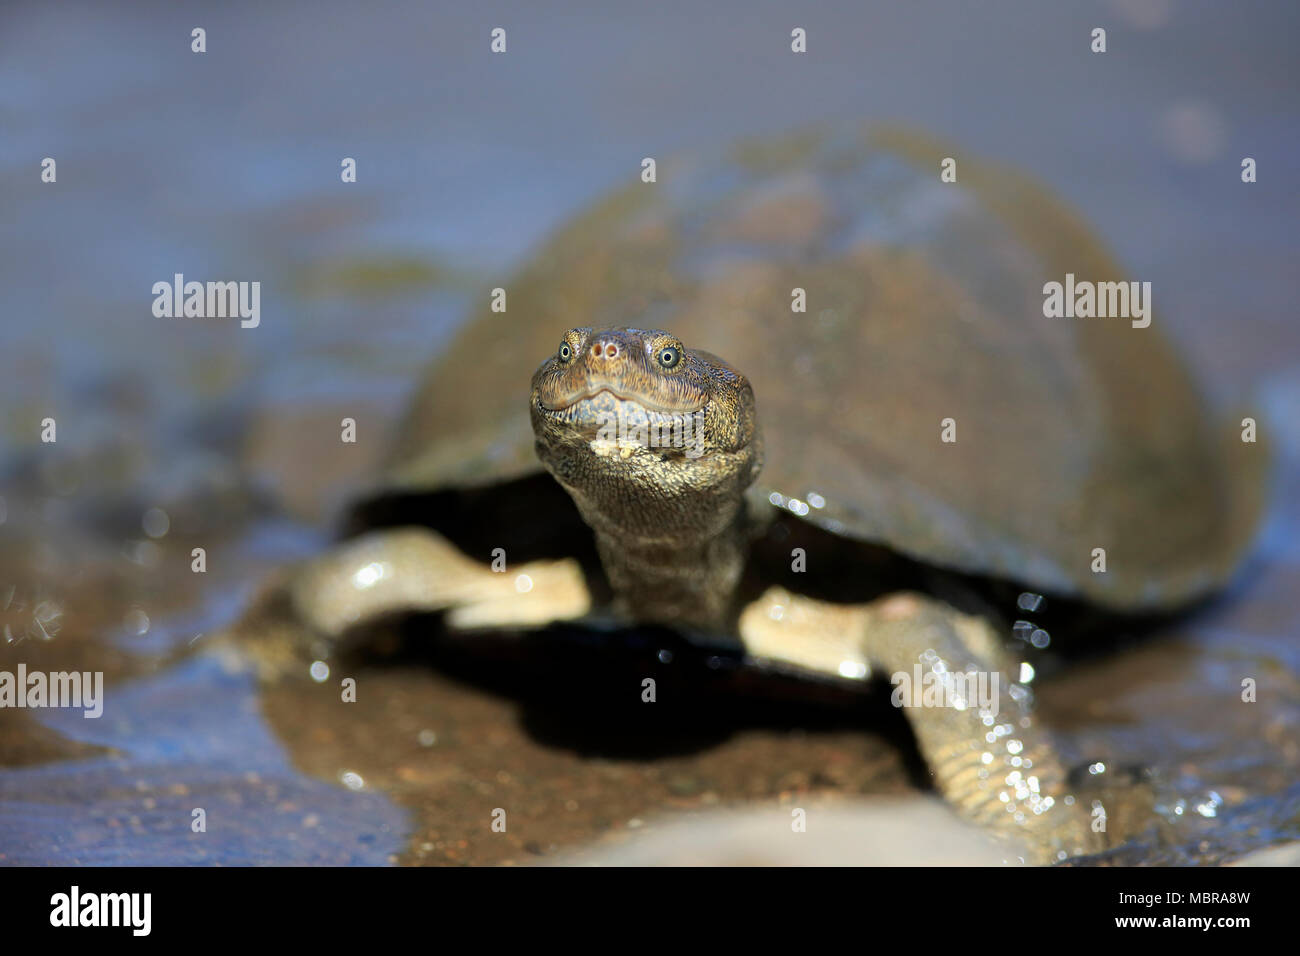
<point>566,353</point>
<point>670,356</point>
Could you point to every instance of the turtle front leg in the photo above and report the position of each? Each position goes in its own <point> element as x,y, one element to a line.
<point>416,569</point>
<point>989,756</point>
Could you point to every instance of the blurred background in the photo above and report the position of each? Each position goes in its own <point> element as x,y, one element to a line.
<point>180,433</point>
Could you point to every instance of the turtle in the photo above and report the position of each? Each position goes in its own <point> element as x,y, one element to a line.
<point>766,381</point>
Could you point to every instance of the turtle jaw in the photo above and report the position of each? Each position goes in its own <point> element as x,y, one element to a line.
<point>608,421</point>
<point>590,397</point>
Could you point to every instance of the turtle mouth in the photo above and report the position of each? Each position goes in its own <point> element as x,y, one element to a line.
<point>603,416</point>
<point>594,395</point>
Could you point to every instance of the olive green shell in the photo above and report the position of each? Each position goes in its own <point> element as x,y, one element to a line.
<point>924,304</point>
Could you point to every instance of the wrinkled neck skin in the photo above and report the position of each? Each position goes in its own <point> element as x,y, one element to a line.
<point>670,521</point>
<point>673,551</point>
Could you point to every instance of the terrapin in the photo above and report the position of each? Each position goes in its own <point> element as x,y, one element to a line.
<point>880,379</point>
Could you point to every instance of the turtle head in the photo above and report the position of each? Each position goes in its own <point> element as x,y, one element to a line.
<point>642,398</point>
<point>656,443</point>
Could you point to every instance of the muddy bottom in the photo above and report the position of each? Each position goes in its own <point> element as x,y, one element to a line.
<point>554,734</point>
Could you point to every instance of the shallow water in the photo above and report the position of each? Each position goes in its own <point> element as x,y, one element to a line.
<point>226,166</point>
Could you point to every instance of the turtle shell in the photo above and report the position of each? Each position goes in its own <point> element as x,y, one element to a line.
<point>924,320</point>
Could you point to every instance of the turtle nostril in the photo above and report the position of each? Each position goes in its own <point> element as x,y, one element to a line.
<point>604,350</point>
<point>611,351</point>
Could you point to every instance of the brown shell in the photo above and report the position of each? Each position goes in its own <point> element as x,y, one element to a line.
<point>924,303</point>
